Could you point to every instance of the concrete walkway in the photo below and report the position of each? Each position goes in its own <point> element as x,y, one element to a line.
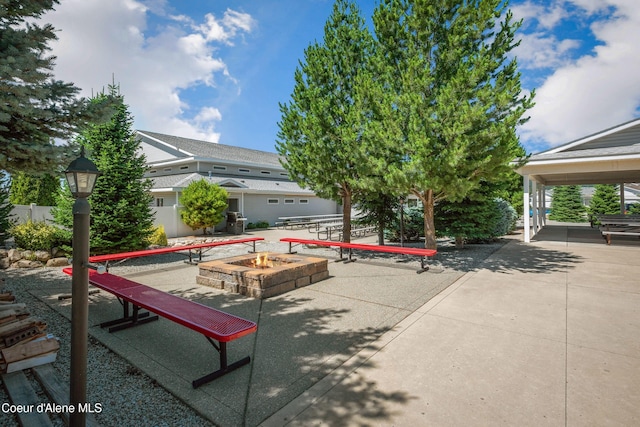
<point>541,334</point>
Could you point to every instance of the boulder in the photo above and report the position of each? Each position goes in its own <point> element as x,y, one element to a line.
<point>42,256</point>
<point>14,255</point>
<point>57,252</point>
<point>4,253</point>
<point>58,262</point>
<point>25,263</point>
<point>5,263</point>
<point>30,255</point>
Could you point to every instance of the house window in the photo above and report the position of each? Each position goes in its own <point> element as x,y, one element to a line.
<point>184,167</point>
<point>243,170</point>
<point>284,174</point>
<point>273,201</point>
<point>153,171</point>
<point>289,201</point>
<point>159,202</point>
<point>265,172</point>
<point>219,168</point>
<point>412,203</point>
<point>303,201</point>
<point>167,169</point>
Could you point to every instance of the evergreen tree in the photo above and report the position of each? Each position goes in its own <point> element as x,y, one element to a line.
<point>472,218</point>
<point>566,204</point>
<point>34,108</point>
<point>378,209</point>
<point>203,204</point>
<point>453,96</point>
<point>121,215</point>
<point>634,209</point>
<point>5,206</point>
<point>605,200</point>
<point>62,208</point>
<point>38,189</point>
<point>321,128</point>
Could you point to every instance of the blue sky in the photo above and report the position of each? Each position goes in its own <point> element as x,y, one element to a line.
<point>217,69</point>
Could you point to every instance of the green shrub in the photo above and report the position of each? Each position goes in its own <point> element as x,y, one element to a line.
<point>158,237</point>
<point>506,221</point>
<point>259,224</point>
<point>39,236</point>
<point>413,226</point>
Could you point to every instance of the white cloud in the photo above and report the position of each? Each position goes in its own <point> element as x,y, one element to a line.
<point>596,91</point>
<point>547,16</point>
<point>539,50</point>
<point>208,114</point>
<point>99,39</point>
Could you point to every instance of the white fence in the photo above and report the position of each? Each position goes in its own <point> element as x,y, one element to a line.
<point>169,217</point>
<point>24,213</point>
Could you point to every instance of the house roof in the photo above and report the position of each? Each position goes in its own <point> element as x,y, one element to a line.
<point>611,156</point>
<point>165,148</point>
<point>232,184</point>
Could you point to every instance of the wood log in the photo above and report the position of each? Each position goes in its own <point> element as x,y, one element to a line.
<point>20,335</point>
<point>9,328</point>
<point>7,296</point>
<point>9,306</point>
<point>30,349</point>
<point>38,360</point>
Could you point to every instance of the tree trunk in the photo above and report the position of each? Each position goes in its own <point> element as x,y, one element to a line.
<point>381,226</point>
<point>429,224</point>
<point>346,216</point>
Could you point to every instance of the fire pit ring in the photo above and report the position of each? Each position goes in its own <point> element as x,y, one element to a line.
<point>285,272</point>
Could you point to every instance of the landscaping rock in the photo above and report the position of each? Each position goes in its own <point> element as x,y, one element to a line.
<point>58,262</point>
<point>25,263</point>
<point>4,253</point>
<point>14,255</point>
<point>5,263</point>
<point>30,255</point>
<point>42,256</point>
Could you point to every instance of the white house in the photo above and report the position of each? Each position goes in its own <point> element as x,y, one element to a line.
<point>258,186</point>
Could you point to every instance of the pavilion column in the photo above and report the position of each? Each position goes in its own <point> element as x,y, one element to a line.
<point>534,208</point>
<point>525,216</point>
<point>543,204</point>
<point>541,207</point>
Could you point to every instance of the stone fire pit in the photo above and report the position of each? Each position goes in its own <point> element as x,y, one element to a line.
<point>248,274</point>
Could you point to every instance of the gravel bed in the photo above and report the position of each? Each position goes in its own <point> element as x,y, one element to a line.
<point>130,397</point>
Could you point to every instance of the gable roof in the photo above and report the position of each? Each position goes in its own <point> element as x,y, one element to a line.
<point>611,156</point>
<point>168,147</point>
<point>623,135</point>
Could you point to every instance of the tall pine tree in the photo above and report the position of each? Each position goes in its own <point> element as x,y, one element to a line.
<point>454,95</point>
<point>38,189</point>
<point>121,215</point>
<point>321,127</point>
<point>605,200</point>
<point>34,108</point>
<point>566,204</point>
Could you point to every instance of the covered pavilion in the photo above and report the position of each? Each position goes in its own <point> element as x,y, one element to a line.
<point>611,156</point>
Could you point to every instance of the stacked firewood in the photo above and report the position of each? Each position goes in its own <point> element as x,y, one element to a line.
<point>23,341</point>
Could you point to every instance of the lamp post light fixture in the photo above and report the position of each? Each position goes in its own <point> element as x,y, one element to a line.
<point>81,176</point>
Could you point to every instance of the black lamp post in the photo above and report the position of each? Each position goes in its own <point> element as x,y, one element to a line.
<point>81,176</point>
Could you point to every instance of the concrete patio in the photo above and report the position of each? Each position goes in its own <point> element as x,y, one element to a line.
<point>544,333</point>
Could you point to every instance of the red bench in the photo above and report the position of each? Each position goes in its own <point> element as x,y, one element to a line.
<point>214,324</point>
<point>148,252</point>
<point>421,252</point>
